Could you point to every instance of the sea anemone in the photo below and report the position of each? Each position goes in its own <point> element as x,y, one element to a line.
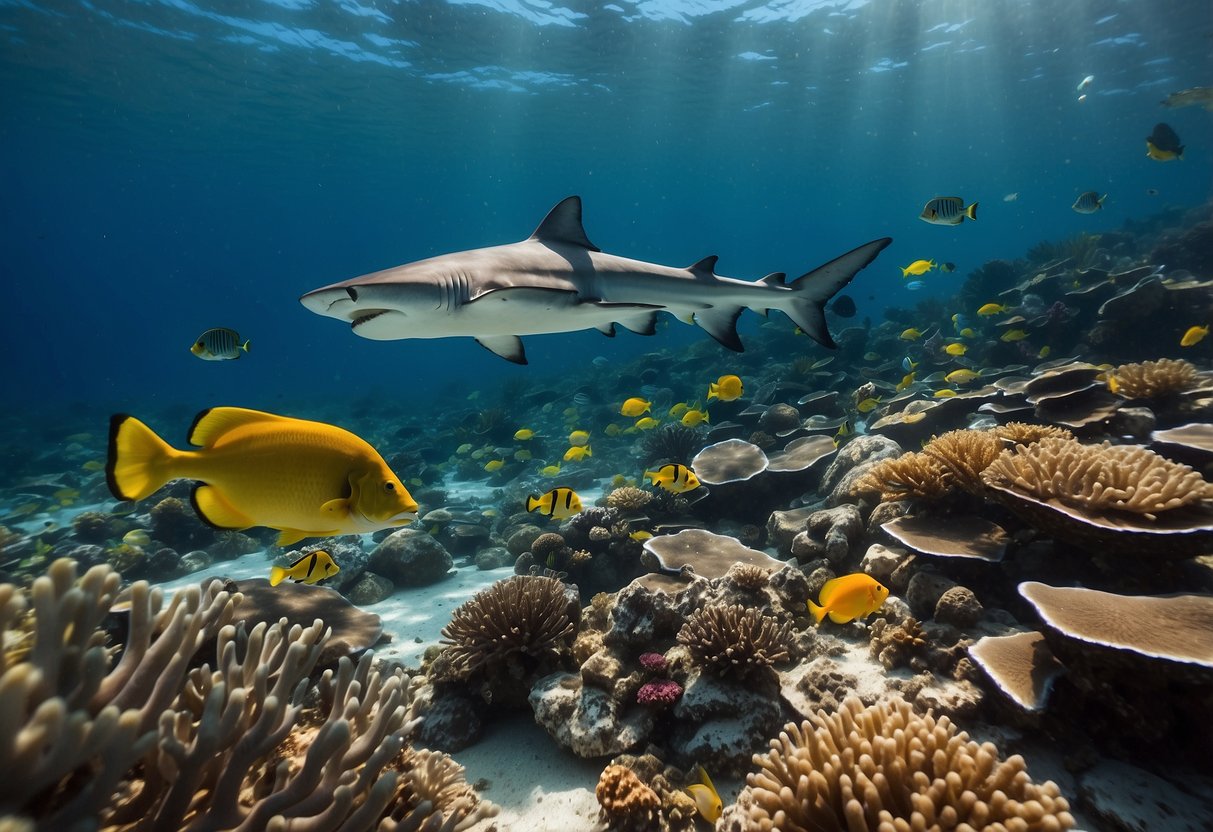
<point>734,640</point>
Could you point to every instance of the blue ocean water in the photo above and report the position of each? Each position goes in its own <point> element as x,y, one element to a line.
<point>174,165</point>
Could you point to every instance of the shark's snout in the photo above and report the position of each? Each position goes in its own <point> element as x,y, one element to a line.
<point>334,302</point>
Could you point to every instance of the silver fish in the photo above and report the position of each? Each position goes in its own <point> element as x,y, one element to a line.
<point>947,210</point>
<point>1089,203</point>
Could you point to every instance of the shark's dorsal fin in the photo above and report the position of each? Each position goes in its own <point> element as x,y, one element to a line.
<point>563,225</point>
<point>705,267</point>
<point>774,279</point>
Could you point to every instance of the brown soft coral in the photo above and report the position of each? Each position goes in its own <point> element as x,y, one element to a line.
<point>885,767</point>
<point>734,640</point>
<point>965,454</point>
<point>1023,433</point>
<point>909,476</point>
<point>626,803</point>
<point>1099,477</point>
<point>526,615</point>
<point>1154,379</point>
<point>628,498</point>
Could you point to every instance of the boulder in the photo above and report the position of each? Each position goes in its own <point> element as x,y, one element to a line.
<point>369,589</point>
<point>411,558</point>
<point>587,720</point>
<point>829,533</point>
<point>852,462</point>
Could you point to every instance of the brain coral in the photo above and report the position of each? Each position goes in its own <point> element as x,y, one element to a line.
<point>886,768</point>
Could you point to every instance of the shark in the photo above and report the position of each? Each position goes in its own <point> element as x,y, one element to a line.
<point>556,280</point>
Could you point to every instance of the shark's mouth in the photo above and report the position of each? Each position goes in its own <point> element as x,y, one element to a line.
<point>367,316</point>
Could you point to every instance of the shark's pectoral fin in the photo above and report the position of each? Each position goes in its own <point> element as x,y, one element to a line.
<point>508,347</point>
<point>721,324</point>
<point>642,324</point>
<point>606,329</point>
<point>563,225</point>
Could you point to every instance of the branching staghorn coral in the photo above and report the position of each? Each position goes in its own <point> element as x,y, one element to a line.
<point>887,768</point>
<point>1024,433</point>
<point>1099,477</point>
<point>734,640</point>
<point>907,477</point>
<point>1154,379</point>
<point>965,454</point>
<point>150,744</point>
<point>523,615</point>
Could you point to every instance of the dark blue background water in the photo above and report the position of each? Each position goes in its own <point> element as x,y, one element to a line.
<point>170,166</point>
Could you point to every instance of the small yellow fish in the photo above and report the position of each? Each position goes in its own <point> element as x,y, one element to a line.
<point>871,356</point>
<point>918,267</point>
<point>635,407</point>
<point>524,434</point>
<point>647,423</point>
<point>494,465</point>
<point>1012,335</point>
<point>79,437</point>
<point>906,381</point>
<point>707,800</point>
<point>577,453</point>
<point>640,535</point>
<point>868,405</point>
<point>464,449</point>
<point>66,496</point>
<point>312,568</point>
<point>550,470</point>
<point>93,465</point>
<point>844,430</point>
<point>612,429</point>
<point>991,309</point>
<point>523,455</point>
<point>955,349</point>
<point>694,417</point>
<point>137,537</point>
<point>674,478</point>
<point>559,503</point>
<point>968,332</point>
<point>1113,383</point>
<point>1044,351</point>
<point>962,376</point>
<point>579,437</point>
<point>944,394</point>
<point>911,334</point>
<point>849,597</point>
<point>1193,336</point>
<point>725,388</point>
<point>677,410</point>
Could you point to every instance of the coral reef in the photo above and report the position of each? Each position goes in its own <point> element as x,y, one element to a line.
<point>885,767</point>
<point>1160,379</point>
<point>1024,433</point>
<point>516,629</point>
<point>671,443</point>
<point>1099,477</point>
<point>734,640</point>
<point>145,742</point>
<point>628,498</point>
<point>906,477</point>
<point>626,803</point>
<point>965,454</point>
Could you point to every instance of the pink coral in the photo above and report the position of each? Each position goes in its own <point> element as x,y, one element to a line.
<point>659,692</point>
<point>652,661</point>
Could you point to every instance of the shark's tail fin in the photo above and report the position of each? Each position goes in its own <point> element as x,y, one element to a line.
<point>811,292</point>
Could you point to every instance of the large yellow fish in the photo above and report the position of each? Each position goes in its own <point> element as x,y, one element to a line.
<point>852,596</point>
<point>694,417</point>
<point>989,309</point>
<point>305,479</point>
<point>635,406</point>
<point>559,503</point>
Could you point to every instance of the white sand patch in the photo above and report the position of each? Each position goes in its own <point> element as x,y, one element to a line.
<point>413,616</point>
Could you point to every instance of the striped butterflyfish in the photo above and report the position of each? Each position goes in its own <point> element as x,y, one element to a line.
<point>947,210</point>
<point>312,568</point>
<point>559,503</point>
<point>219,344</point>
<point>674,477</point>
